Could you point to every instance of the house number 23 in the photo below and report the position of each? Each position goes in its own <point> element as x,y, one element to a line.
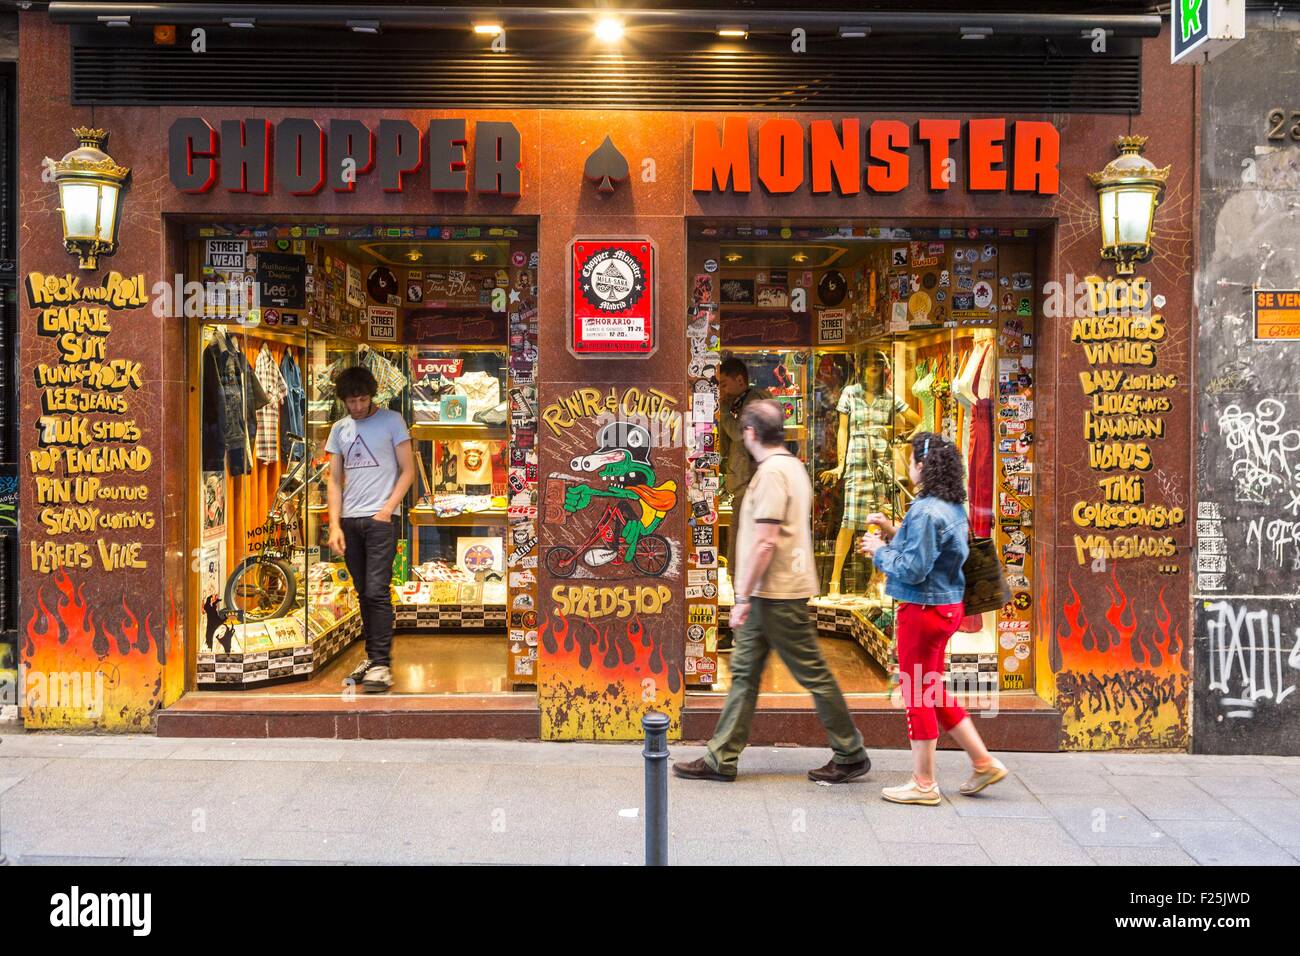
<point>1277,121</point>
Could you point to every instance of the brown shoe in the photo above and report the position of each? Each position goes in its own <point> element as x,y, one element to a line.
<point>839,772</point>
<point>699,770</point>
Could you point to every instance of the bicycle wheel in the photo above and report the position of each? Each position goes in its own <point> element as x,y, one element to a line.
<point>653,554</point>
<point>261,588</point>
<point>561,561</point>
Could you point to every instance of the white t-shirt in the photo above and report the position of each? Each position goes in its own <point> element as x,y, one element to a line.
<point>369,450</point>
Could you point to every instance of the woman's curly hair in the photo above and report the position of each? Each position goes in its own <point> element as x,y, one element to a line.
<point>942,473</point>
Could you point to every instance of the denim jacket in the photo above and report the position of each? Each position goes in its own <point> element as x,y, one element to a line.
<point>924,562</point>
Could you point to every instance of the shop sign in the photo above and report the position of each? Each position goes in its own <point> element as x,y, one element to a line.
<point>611,297</point>
<point>301,156</point>
<point>226,254</point>
<point>383,322</point>
<point>882,156</point>
<point>753,328</point>
<point>1205,27</point>
<point>1277,314</point>
<point>282,279</point>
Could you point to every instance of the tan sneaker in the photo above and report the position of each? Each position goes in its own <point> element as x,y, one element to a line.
<point>913,792</point>
<point>979,779</point>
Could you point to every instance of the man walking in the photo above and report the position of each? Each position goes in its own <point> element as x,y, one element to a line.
<point>735,394</point>
<point>371,468</point>
<point>775,579</point>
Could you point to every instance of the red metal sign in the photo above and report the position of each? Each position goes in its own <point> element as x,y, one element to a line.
<point>612,297</point>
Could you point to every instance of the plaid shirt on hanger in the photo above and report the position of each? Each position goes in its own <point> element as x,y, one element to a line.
<point>268,418</point>
<point>390,379</point>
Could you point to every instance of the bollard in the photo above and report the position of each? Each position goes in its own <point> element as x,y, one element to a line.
<point>656,788</point>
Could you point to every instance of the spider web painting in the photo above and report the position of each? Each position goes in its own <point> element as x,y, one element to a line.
<point>1171,234</point>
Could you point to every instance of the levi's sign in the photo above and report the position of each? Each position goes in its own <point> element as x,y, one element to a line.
<point>881,156</point>
<point>302,156</point>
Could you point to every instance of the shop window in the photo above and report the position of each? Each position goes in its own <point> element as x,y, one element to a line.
<point>445,319</point>
<point>865,341</point>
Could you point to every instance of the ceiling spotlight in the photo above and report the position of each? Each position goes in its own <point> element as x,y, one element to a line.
<point>239,23</point>
<point>734,30</point>
<point>609,30</point>
<point>733,257</point>
<point>854,33</point>
<point>976,33</point>
<point>478,255</point>
<point>489,29</point>
<point>799,257</point>
<point>115,21</point>
<point>415,255</point>
<point>363,26</point>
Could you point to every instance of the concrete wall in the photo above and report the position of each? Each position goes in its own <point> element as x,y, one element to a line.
<point>1247,585</point>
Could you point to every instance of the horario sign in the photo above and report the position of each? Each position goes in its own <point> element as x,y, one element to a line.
<point>881,156</point>
<point>302,156</point>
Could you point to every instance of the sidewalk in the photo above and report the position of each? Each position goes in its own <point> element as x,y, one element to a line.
<point>75,799</point>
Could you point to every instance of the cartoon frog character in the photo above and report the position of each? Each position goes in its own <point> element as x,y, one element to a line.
<point>622,458</point>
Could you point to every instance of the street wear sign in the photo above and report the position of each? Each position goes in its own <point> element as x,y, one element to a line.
<point>1277,314</point>
<point>611,297</point>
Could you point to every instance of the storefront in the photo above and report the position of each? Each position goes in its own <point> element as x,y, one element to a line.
<point>546,296</point>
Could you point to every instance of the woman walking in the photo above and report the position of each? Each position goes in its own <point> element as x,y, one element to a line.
<point>923,568</point>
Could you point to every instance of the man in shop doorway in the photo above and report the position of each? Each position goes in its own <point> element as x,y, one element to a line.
<point>734,395</point>
<point>371,468</point>
<point>774,580</point>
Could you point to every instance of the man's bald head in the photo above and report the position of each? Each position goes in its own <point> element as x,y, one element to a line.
<point>767,418</point>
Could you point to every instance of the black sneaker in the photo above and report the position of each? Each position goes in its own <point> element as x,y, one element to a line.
<point>839,772</point>
<point>379,680</point>
<point>358,673</point>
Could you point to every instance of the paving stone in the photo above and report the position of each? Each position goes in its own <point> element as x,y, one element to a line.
<point>1103,821</point>
<point>1170,798</point>
<point>1242,786</point>
<point>1227,844</point>
<point>1279,820</point>
<point>1027,843</point>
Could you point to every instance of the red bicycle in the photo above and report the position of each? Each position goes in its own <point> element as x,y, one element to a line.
<point>652,555</point>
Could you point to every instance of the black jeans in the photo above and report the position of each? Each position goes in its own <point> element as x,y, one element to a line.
<point>370,547</point>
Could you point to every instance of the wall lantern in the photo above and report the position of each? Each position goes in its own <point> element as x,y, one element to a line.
<point>1128,190</point>
<point>90,197</point>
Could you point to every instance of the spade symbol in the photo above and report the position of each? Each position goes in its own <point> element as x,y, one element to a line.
<point>606,166</point>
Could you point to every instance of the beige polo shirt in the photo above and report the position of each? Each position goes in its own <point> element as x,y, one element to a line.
<point>780,493</point>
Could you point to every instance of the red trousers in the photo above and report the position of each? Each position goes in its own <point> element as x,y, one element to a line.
<point>923,631</point>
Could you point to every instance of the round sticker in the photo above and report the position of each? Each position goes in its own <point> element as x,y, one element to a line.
<point>531,638</point>
<point>832,288</point>
<point>518,260</point>
<point>271,316</point>
<point>918,306</point>
<point>612,280</point>
<point>1022,600</point>
<point>381,284</point>
<point>1007,639</point>
<point>929,280</point>
<point>695,632</point>
<point>983,295</point>
<point>478,557</point>
<point>530,619</point>
<point>1159,301</point>
<point>710,265</point>
<point>1010,664</point>
<point>1022,650</point>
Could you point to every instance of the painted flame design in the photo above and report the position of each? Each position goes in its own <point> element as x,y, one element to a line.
<point>75,623</point>
<point>1152,646</point>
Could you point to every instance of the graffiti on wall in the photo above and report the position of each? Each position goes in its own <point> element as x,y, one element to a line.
<point>1125,683</point>
<point>611,555</point>
<point>1248,671</point>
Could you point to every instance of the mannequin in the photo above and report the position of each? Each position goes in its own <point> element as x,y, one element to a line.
<point>869,416</point>
<point>973,390</point>
<point>922,391</point>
